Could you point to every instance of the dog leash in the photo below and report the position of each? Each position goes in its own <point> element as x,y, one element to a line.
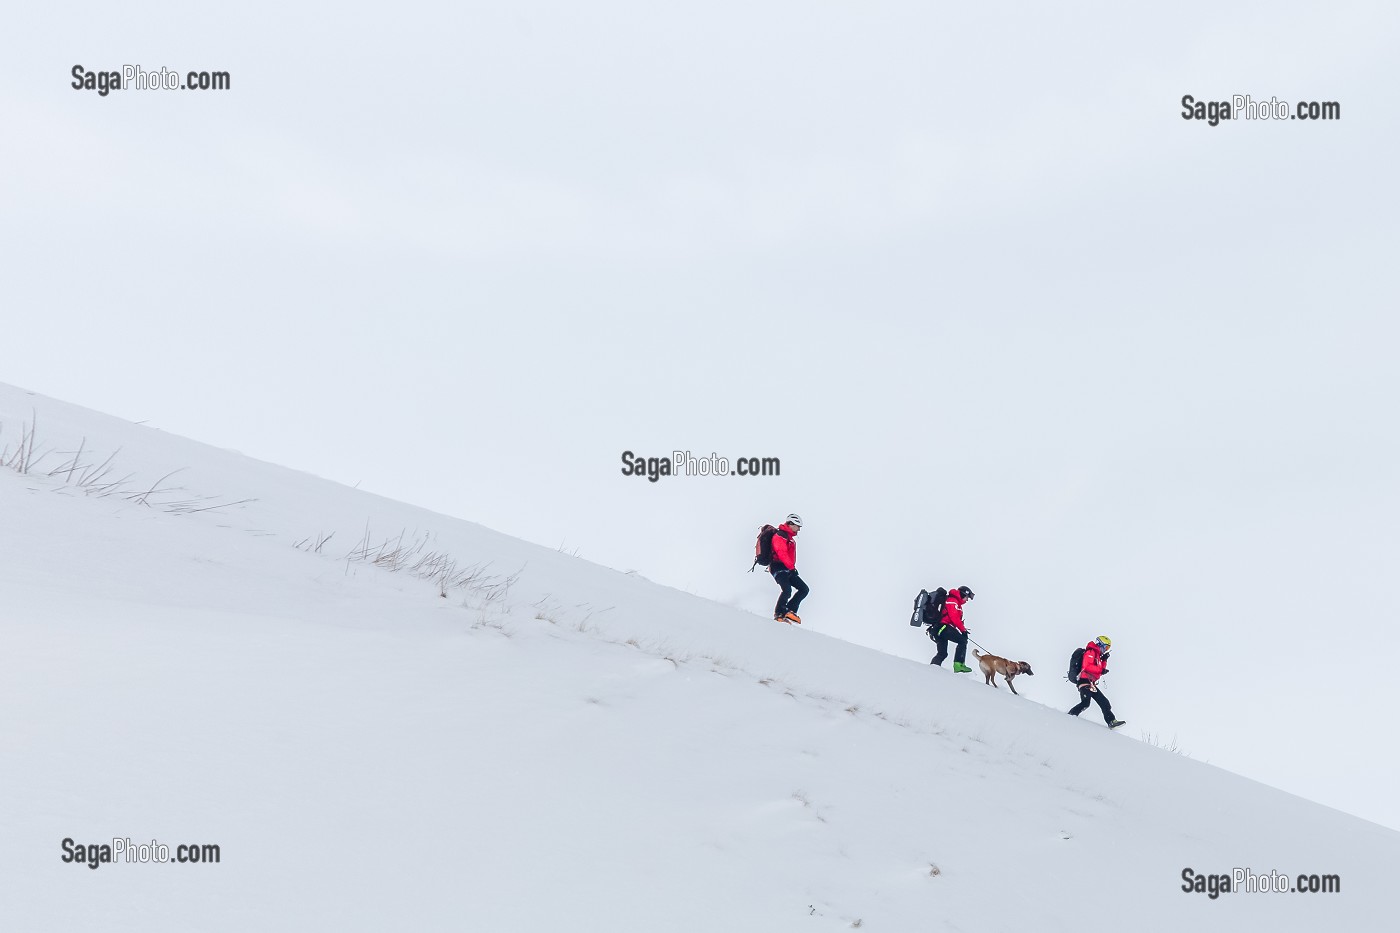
<point>969,638</point>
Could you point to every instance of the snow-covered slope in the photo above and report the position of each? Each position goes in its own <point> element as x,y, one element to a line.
<point>554,745</point>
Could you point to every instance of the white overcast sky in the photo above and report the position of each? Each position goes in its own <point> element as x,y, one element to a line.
<point>1004,315</point>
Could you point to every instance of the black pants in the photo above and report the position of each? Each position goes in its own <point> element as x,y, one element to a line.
<point>942,634</point>
<point>790,582</point>
<point>1085,695</point>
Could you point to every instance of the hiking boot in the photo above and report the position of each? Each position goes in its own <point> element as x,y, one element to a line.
<point>1116,723</point>
<point>793,617</point>
<point>961,668</point>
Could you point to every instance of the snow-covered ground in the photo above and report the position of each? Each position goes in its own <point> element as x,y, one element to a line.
<point>554,745</point>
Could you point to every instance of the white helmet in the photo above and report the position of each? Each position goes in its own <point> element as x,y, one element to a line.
<point>794,520</point>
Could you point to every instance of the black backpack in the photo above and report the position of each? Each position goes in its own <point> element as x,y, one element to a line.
<point>1076,664</point>
<point>928,607</point>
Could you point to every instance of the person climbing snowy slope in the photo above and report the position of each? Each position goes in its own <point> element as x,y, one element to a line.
<point>784,571</point>
<point>951,627</point>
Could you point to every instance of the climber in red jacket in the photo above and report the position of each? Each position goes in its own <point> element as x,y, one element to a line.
<point>952,628</point>
<point>1091,668</point>
<point>784,571</point>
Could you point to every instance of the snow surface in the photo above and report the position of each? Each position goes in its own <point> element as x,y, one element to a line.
<point>558,746</point>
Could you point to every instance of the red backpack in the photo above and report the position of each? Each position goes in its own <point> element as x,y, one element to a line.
<point>763,547</point>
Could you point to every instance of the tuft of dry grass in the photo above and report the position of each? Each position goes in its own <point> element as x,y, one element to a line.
<point>94,478</point>
<point>1172,745</point>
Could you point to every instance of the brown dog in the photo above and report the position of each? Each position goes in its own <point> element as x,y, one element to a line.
<point>993,665</point>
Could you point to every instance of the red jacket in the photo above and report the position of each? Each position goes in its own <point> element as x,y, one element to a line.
<point>1094,665</point>
<point>784,548</point>
<point>953,611</point>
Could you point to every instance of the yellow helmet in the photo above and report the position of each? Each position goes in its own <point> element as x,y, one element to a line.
<point>1104,642</point>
